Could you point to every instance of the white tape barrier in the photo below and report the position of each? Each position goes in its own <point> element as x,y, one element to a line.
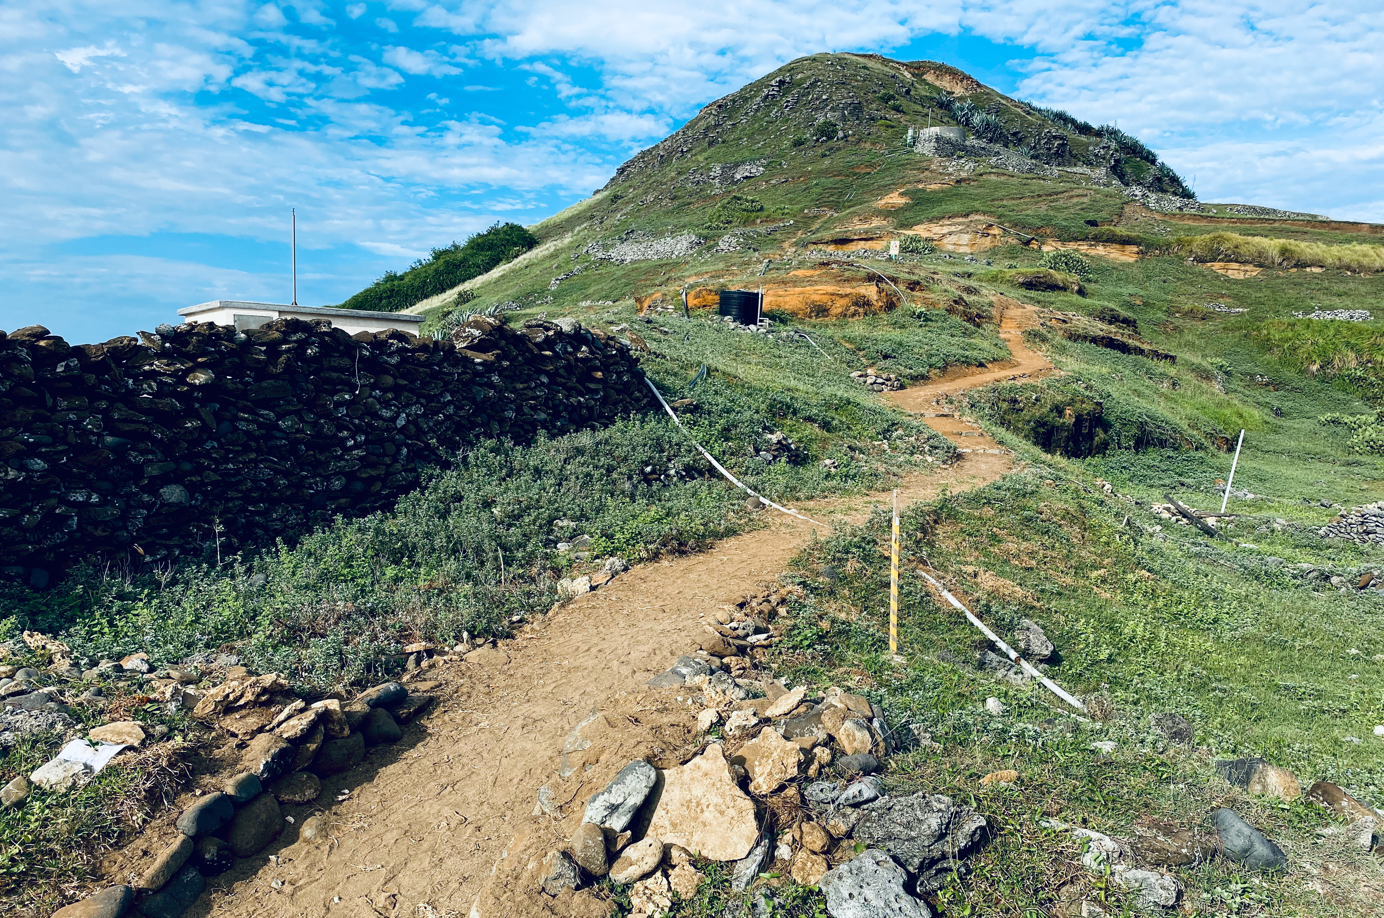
<point>718,466</point>
<point>1008,651</point>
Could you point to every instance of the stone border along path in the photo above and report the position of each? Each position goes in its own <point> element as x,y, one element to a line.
<point>424,834</point>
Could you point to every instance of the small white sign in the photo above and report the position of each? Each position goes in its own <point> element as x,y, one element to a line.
<point>894,247</point>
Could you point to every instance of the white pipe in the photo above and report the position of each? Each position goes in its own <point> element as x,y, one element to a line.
<point>1234,462</point>
<point>720,468</point>
<point>1008,651</point>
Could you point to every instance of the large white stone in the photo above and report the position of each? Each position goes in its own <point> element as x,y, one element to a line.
<point>702,809</point>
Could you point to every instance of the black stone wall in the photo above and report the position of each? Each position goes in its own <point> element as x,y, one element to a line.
<point>151,447</point>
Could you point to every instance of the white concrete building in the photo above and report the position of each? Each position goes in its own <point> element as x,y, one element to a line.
<point>245,315</point>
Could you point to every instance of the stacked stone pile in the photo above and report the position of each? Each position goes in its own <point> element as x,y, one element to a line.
<point>1364,525</point>
<point>880,382</point>
<point>199,435</point>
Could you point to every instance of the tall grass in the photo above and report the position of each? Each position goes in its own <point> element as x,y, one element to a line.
<point>1347,354</point>
<point>1280,253</point>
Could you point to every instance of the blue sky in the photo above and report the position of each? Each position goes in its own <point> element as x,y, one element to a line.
<point>148,160</point>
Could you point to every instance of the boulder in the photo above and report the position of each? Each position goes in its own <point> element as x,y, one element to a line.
<point>678,674</point>
<point>267,756</point>
<point>177,897</point>
<point>589,849</point>
<point>702,809</point>
<point>297,789</point>
<point>166,865</point>
<point>614,806</point>
<point>16,792</point>
<point>380,728</point>
<point>1334,798</point>
<point>120,733</point>
<point>1245,844</point>
<point>870,885</point>
<point>638,860</point>
<point>559,873</point>
<point>855,737</point>
<point>927,833</point>
<point>213,856</point>
<point>1032,644</point>
<point>206,816</point>
<point>388,695</point>
<point>339,755</point>
<point>771,761</point>
<point>256,825</point>
<point>111,902</point>
<point>243,788</point>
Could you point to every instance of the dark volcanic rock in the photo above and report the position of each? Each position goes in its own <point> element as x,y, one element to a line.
<point>206,815</point>
<point>927,833</point>
<point>1244,843</point>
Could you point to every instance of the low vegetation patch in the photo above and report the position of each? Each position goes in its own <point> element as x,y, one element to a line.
<point>1280,253</point>
<point>1044,279</point>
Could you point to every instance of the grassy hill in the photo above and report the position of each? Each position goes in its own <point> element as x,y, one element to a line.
<point>1174,325</point>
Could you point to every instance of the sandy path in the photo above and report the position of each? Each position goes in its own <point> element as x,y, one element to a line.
<point>424,822</point>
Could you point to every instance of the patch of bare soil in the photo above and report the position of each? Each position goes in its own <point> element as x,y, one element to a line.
<point>421,837</point>
<point>1233,269</point>
<point>962,234</point>
<point>1110,250</point>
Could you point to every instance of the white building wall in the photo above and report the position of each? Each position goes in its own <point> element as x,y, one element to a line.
<point>243,315</point>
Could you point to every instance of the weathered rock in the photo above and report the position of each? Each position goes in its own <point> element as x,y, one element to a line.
<point>715,644</point>
<point>638,860</point>
<point>243,788</point>
<point>748,867</point>
<point>784,704</point>
<point>807,868</point>
<point>256,825</point>
<point>771,761</point>
<point>870,885</point>
<point>678,674</point>
<point>120,733</point>
<point>1239,771</point>
<point>614,806</point>
<point>927,833</point>
<point>741,722</point>
<point>651,896</point>
<point>111,902</point>
<point>1175,727</point>
<point>213,856</point>
<point>16,792</point>
<point>1245,844</point>
<point>267,756</point>
<point>387,695</point>
<point>380,729</point>
<point>1004,778</point>
<point>355,713</point>
<point>1339,802</point>
<point>339,755</point>
<point>136,663</point>
<point>684,879</point>
<point>238,693</point>
<point>1155,890</point>
<point>60,775</point>
<point>332,719</point>
<point>705,785</point>
<point>558,873</point>
<point>299,725</point>
<point>1165,844</point>
<point>297,789</point>
<point>177,897</point>
<point>589,849</point>
<point>166,865</point>
<point>855,737</point>
<point>866,790</point>
<point>803,725</point>
<point>707,718</point>
<point>1272,781</point>
<point>307,748</point>
<point>206,816</point>
<point>862,763</point>
<point>822,793</point>
<point>815,838</point>
<point>313,828</point>
<point>412,706</point>
<point>1032,644</point>
<point>37,701</point>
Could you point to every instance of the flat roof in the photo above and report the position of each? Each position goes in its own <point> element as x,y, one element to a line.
<point>309,310</point>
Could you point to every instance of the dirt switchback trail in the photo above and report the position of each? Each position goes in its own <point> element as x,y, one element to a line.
<point>420,835</point>
<point>928,399</point>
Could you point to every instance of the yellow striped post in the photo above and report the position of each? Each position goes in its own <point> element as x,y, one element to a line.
<point>894,582</point>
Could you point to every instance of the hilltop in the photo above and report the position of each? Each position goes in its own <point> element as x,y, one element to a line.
<point>1051,377</point>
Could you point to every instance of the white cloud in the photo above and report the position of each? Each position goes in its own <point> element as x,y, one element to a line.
<point>428,62</point>
<point>75,59</point>
<point>355,10</point>
<point>270,16</point>
<point>386,24</point>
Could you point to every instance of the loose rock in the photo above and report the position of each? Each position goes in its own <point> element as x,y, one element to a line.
<point>120,733</point>
<point>615,805</point>
<point>380,728</point>
<point>168,863</point>
<point>256,825</point>
<point>1243,843</point>
<point>339,755</point>
<point>297,789</point>
<point>213,856</point>
<point>807,868</point>
<point>559,873</point>
<point>771,761</point>
<point>855,737</point>
<point>589,849</point>
<point>637,861</point>
<point>16,792</point>
<point>1032,643</point>
<point>111,902</point>
<point>870,885</point>
<point>748,867</point>
<point>864,791</point>
<point>267,756</point>
<point>1175,727</point>
<point>177,897</point>
<point>387,695</point>
<point>691,791</point>
<point>927,833</point>
<point>243,788</point>
<point>206,815</point>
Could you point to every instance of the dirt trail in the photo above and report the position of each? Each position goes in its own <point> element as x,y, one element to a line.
<point>928,400</point>
<point>429,821</point>
<point>416,830</point>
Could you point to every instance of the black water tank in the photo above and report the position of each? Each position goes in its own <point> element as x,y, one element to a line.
<point>742,305</point>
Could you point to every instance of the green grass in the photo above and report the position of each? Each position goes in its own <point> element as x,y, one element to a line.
<point>1280,253</point>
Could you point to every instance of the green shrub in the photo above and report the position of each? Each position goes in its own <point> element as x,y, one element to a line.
<point>735,210</point>
<point>1068,262</point>
<point>1367,430</point>
<point>444,269</point>
<point>825,130</point>
<point>916,245</point>
<point>799,141</point>
<point>1044,279</point>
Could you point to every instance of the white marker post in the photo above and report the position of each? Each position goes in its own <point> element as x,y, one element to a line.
<point>294,245</point>
<point>1234,462</point>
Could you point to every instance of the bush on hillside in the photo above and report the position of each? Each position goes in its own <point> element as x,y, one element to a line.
<point>825,130</point>
<point>1366,430</point>
<point>1068,262</point>
<point>1280,253</point>
<point>444,269</point>
<point>916,245</point>
<point>734,210</point>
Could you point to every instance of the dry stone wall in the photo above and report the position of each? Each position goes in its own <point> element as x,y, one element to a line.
<point>198,435</point>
